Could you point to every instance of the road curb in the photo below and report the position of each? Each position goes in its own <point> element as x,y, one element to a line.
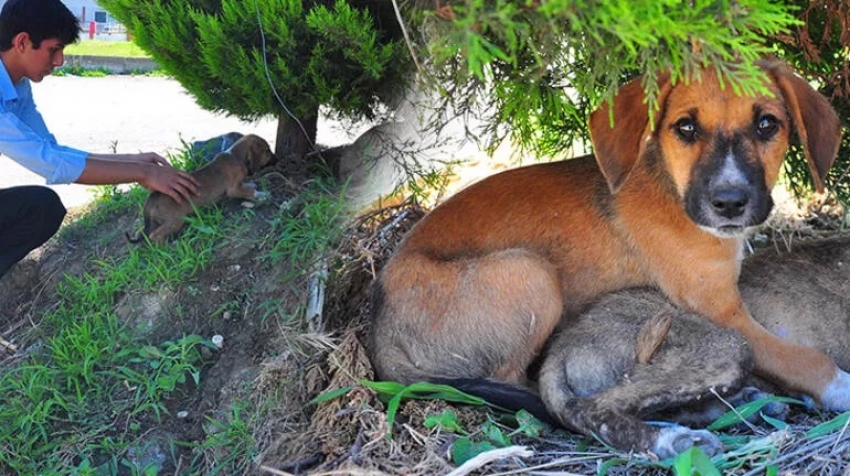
<point>116,65</point>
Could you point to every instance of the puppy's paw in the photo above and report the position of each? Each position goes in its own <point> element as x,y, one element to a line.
<point>675,439</point>
<point>836,397</point>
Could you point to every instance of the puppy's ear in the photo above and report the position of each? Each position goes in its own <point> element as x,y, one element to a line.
<point>618,146</point>
<point>814,119</point>
<point>259,154</point>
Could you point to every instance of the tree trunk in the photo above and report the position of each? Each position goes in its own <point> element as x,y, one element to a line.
<point>294,141</point>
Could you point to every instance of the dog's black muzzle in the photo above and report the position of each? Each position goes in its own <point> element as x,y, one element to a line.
<point>729,203</point>
<point>727,192</point>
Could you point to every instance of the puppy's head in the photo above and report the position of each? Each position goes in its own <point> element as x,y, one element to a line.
<point>254,151</point>
<point>722,152</point>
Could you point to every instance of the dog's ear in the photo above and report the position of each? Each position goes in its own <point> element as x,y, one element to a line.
<point>260,154</point>
<point>251,149</point>
<point>618,146</point>
<point>815,121</point>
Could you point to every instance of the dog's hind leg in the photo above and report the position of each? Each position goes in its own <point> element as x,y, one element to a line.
<point>134,239</point>
<point>471,317</point>
<point>161,231</point>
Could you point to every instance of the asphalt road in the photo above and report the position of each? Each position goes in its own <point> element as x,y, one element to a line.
<point>130,114</point>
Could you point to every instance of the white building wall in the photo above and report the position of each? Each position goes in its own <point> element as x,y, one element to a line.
<point>85,10</point>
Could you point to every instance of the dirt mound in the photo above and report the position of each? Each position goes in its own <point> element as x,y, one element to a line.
<point>246,299</point>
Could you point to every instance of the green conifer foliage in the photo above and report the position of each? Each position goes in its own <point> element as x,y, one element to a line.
<point>549,62</point>
<point>313,53</point>
<point>528,70</point>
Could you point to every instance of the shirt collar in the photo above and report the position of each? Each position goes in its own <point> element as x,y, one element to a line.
<point>8,92</point>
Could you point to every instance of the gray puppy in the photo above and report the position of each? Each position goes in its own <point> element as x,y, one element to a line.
<point>626,359</point>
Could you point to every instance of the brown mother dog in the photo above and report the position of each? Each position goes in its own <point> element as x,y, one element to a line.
<point>224,176</point>
<point>479,285</point>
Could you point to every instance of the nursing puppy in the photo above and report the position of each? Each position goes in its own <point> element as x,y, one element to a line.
<point>594,364</point>
<point>479,285</point>
<point>224,176</point>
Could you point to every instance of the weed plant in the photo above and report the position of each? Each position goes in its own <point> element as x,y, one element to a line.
<point>229,447</point>
<point>301,234</point>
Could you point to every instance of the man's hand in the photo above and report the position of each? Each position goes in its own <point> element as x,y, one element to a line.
<point>166,179</point>
<point>148,169</point>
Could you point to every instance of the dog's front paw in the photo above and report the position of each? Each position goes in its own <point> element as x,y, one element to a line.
<point>836,397</point>
<point>676,439</point>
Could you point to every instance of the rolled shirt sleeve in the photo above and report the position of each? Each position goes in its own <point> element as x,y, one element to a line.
<point>25,139</point>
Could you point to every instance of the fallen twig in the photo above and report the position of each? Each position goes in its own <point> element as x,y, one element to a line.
<point>8,345</point>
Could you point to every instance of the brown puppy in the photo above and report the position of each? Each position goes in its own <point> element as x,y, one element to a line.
<point>479,285</point>
<point>223,176</point>
<point>802,296</point>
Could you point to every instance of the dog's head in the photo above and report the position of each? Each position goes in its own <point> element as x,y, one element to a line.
<point>723,152</point>
<point>254,151</point>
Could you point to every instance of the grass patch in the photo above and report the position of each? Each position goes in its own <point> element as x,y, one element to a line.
<point>61,404</point>
<point>119,49</point>
<point>230,447</point>
<point>299,234</point>
<point>62,401</point>
<point>101,72</point>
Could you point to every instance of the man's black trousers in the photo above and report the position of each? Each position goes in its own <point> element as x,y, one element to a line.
<point>29,216</point>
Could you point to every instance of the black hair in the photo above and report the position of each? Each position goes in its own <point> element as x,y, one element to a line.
<point>41,19</point>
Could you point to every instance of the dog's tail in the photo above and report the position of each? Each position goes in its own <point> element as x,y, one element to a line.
<point>504,395</point>
<point>134,239</point>
<point>150,224</point>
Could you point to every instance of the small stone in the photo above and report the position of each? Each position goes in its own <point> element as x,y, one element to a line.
<point>182,414</point>
<point>218,340</point>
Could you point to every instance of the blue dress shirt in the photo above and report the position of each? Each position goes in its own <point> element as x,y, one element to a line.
<point>25,139</point>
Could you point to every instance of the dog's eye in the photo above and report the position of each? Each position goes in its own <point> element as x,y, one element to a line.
<point>767,126</point>
<point>686,128</point>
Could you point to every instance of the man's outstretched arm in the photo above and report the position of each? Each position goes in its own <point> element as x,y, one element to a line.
<point>147,169</point>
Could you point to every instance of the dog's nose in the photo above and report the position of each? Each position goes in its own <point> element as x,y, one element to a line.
<point>729,202</point>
